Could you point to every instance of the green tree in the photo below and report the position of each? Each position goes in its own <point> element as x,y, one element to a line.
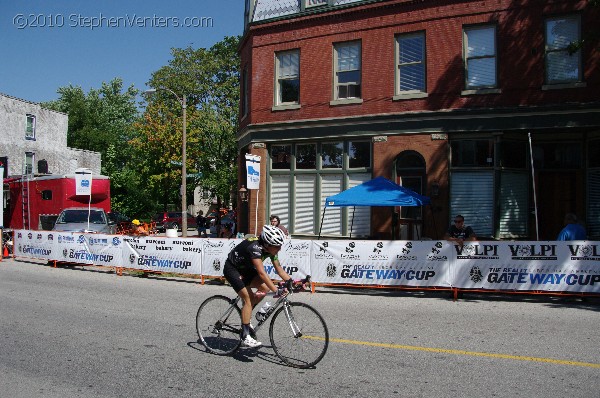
<point>209,78</point>
<point>102,121</point>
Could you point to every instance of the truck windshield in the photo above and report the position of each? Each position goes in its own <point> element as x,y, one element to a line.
<point>81,216</point>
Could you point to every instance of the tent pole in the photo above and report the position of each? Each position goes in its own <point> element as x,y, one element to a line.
<point>537,234</point>
<point>352,222</point>
<point>322,218</point>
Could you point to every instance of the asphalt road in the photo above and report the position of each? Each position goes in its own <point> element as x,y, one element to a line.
<point>87,332</point>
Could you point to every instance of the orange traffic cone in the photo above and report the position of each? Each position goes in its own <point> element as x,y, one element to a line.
<point>5,254</point>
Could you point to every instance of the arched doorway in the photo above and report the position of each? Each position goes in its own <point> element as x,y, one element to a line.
<point>407,223</point>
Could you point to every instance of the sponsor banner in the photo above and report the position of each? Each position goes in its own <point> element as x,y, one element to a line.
<point>161,254</point>
<point>392,263</point>
<point>294,257</point>
<point>34,244</point>
<point>215,253</point>
<point>539,265</point>
<point>90,249</point>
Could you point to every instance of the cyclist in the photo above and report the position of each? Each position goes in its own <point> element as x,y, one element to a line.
<point>245,271</point>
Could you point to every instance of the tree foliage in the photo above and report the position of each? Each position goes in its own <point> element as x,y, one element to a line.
<point>209,78</point>
<point>102,121</point>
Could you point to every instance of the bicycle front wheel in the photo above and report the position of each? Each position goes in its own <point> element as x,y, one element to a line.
<point>299,335</point>
<point>219,325</point>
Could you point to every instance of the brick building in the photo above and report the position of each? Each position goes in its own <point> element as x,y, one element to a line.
<point>478,104</point>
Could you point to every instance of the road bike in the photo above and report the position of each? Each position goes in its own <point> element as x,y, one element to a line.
<point>298,333</point>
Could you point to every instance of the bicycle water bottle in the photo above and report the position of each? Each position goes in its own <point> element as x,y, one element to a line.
<point>262,312</point>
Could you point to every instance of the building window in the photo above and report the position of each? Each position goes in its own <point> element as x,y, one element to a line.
<point>281,157</point>
<point>480,57</point>
<point>306,156</point>
<point>298,186</point>
<point>29,159</point>
<point>332,155</point>
<point>347,70</point>
<point>30,127</point>
<point>561,65</point>
<point>288,78</point>
<point>472,153</point>
<point>314,3</point>
<point>410,63</point>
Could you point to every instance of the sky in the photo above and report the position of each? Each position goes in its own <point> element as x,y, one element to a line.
<point>47,44</point>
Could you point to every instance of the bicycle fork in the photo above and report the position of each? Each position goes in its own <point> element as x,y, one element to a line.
<point>287,309</point>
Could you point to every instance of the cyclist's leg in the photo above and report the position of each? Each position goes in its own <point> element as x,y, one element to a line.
<point>238,283</point>
<point>242,283</point>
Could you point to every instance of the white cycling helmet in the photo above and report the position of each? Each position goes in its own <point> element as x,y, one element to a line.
<point>272,236</point>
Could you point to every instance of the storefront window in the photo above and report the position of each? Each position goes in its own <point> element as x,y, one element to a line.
<point>513,154</point>
<point>359,154</point>
<point>473,153</point>
<point>306,156</point>
<point>280,156</point>
<point>332,155</point>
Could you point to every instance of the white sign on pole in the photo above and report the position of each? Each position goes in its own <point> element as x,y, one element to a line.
<point>252,171</point>
<point>83,184</point>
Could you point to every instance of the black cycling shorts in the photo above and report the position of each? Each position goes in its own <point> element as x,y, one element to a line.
<point>238,280</point>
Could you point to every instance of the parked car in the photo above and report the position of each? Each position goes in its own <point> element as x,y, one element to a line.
<point>118,218</point>
<point>83,219</point>
<point>172,220</point>
<point>122,222</point>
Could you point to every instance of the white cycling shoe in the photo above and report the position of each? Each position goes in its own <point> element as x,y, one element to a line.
<point>250,342</point>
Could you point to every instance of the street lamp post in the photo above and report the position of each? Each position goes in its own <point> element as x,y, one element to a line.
<point>183,102</point>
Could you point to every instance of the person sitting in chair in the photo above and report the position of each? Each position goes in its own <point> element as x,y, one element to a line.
<point>138,229</point>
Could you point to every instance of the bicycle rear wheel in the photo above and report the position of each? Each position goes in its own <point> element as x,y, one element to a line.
<point>219,325</point>
<point>300,340</point>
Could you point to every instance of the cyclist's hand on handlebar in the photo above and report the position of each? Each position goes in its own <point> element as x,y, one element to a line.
<point>289,284</point>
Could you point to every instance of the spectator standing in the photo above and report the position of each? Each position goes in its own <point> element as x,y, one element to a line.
<point>459,233</point>
<point>276,222</point>
<point>572,230</point>
<point>201,224</point>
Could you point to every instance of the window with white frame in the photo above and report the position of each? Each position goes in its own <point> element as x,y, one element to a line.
<point>347,70</point>
<point>288,78</point>
<point>562,66</point>
<point>30,127</point>
<point>480,57</point>
<point>410,63</point>
<point>302,175</point>
<point>313,3</point>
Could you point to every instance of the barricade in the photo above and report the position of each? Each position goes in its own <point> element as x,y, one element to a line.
<point>546,267</point>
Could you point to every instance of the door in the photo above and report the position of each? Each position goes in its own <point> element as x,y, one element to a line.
<point>558,193</point>
<point>410,173</point>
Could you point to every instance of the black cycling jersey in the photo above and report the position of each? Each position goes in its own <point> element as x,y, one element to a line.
<point>242,255</point>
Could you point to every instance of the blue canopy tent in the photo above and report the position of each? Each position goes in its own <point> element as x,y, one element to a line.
<point>376,192</point>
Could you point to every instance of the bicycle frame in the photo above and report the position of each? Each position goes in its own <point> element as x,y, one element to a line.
<point>283,300</point>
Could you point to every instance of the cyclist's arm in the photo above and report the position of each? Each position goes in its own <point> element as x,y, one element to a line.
<point>280,271</point>
<point>260,269</point>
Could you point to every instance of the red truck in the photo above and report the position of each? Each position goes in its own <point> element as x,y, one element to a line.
<point>35,202</point>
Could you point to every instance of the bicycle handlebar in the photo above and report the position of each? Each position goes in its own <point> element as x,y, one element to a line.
<point>298,285</point>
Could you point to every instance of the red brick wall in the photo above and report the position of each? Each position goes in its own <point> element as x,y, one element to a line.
<point>520,50</point>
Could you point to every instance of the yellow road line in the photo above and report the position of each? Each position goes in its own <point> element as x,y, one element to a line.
<point>460,352</point>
